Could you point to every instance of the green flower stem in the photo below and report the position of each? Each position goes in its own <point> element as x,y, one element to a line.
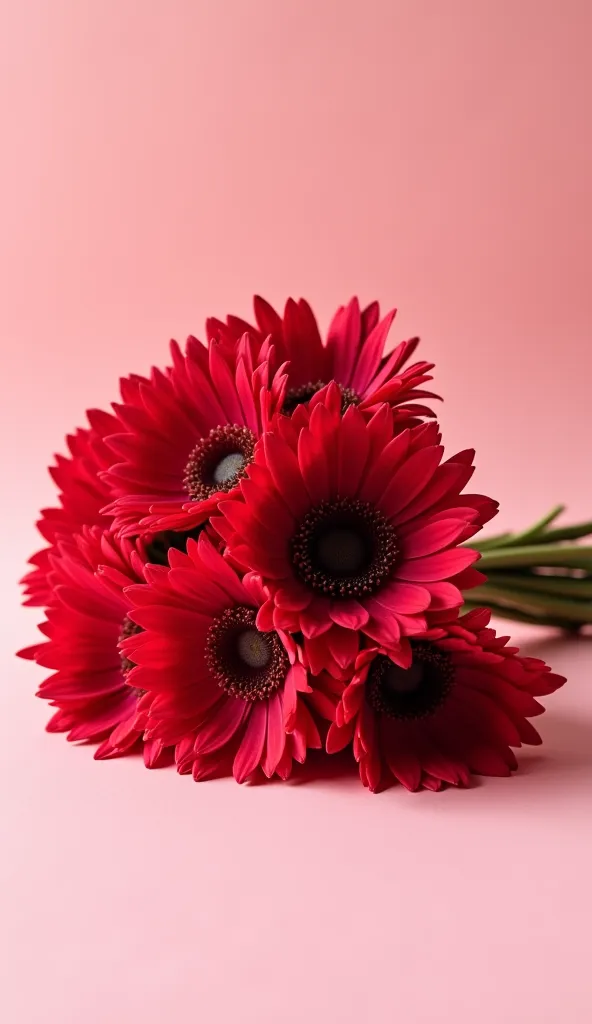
<point>537,575</point>
<point>533,603</point>
<point>521,616</point>
<point>516,539</point>
<point>543,555</point>
<point>558,586</point>
<point>568,533</point>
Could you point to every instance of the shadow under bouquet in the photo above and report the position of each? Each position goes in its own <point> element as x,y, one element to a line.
<point>262,550</point>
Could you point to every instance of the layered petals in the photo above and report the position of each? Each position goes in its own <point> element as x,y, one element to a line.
<point>184,437</point>
<point>82,495</point>
<point>228,694</point>
<point>264,550</point>
<point>370,525</point>
<point>352,354</point>
<point>85,625</point>
<point>430,711</point>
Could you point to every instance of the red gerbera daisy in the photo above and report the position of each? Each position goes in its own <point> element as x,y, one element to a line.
<point>353,355</point>
<point>188,436</point>
<point>83,494</point>
<point>440,706</point>
<point>351,526</point>
<point>86,620</point>
<point>216,686</point>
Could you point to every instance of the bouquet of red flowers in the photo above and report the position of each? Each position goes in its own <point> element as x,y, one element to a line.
<point>262,550</point>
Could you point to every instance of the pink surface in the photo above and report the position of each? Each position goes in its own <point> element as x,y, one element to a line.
<point>162,161</point>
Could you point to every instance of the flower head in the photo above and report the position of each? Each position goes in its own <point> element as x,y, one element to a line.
<point>82,495</point>
<point>87,620</point>
<point>447,703</point>
<point>352,355</point>
<point>186,436</point>
<point>224,692</point>
<point>352,525</point>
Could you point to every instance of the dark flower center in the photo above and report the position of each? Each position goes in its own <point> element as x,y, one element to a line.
<point>158,545</point>
<point>218,461</point>
<point>129,628</point>
<point>304,393</point>
<point>344,548</point>
<point>245,662</point>
<point>415,692</point>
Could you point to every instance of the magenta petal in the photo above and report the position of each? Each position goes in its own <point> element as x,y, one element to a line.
<point>313,465</point>
<point>384,629</point>
<point>384,464</point>
<point>403,761</point>
<point>436,567</point>
<point>315,620</point>
<point>283,619</point>
<point>317,653</point>
<point>447,479</point>
<point>411,625</point>
<point>343,644</point>
<point>394,361</point>
<point>265,617</point>
<point>349,614</point>
<point>468,578</point>
<point>428,540</point>
<point>411,479</point>
<point>250,752</point>
<point>293,599</point>
<point>353,446</point>
<point>224,720</point>
<point>404,598</point>
<point>283,466</point>
<point>289,701</point>
<point>338,738</point>
<point>343,341</point>
<point>276,736</point>
<point>370,317</point>
<point>322,704</point>
<point>153,753</point>
<point>371,354</point>
<point>221,571</point>
<point>352,698</point>
<point>444,596</point>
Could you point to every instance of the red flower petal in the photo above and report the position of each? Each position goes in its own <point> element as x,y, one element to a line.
<point>436,567</point>
<point>349,614</point>
<point>276,736</point>
<point>250,751</point>
<point>283,467</point>
<point>430,539</point>
<point>410,480</point>
<point>224,720</point>
<point>338,738</point>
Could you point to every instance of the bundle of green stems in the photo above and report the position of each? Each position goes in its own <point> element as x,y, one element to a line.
<point>542,575</point>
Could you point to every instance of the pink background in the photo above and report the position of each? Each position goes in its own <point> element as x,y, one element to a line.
<point>160,162</point>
